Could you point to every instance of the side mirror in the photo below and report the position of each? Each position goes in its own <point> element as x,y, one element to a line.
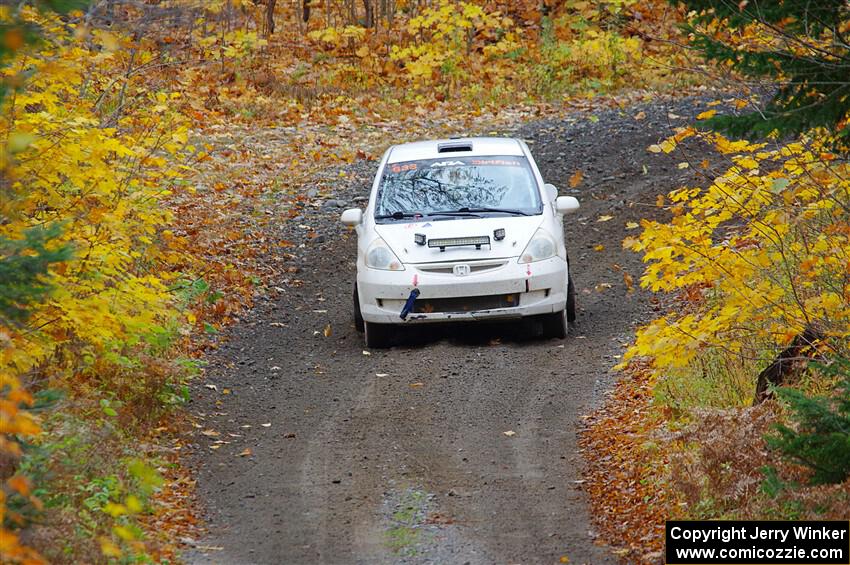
<point>566,204</point>
<point>354,216</point>
<point>551,191</point>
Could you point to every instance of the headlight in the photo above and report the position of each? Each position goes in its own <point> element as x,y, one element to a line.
<point>380,256</point>
<point>542,246</point>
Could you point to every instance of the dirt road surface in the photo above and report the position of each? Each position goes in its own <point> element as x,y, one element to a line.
<point>337,454</point>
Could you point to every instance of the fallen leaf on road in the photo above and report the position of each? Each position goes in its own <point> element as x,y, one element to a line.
<point>328,331</point>
<point>246,452</point>
<point>277,325</point>
<point>509,433</point>
<point>604,218</point>
<point>599,247</point>
<point>382,374</point>
<point>210,433</point>
<point>576,178</point>
<point>212,387</point>
<point>630,242</point>
<point>290,435</point>
<point>602,286</point>
<point>630,282</point>
<point>632,225</point>
<point>640,115</point>
<point>367,352</point>
<point>416,385</point>
<point>267,425</point>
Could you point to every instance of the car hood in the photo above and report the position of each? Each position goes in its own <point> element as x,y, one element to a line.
<point>518,231</point>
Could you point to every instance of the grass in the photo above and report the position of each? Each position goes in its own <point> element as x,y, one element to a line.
<point>714,380</point>
<point>407,519</point>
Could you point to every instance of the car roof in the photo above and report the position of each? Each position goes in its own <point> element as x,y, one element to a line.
<point>454,147</point>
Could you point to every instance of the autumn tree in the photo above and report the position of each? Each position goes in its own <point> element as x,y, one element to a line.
<point>798,45</point>
<point>24,262</point>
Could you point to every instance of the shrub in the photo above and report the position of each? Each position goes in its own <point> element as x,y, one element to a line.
<point>821,441</point>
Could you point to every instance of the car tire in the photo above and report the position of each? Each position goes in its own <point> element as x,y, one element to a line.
<point>571,301</point>
<point>378,336</point>
<point>555,325</point>
<point>358,316</point>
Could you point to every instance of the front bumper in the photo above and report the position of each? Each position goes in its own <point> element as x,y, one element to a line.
<point>540,288</point>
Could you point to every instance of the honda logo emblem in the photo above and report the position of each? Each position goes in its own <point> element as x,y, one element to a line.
<point>461,270</point>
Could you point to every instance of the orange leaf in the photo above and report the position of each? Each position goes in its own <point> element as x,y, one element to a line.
<point>630,282</point>
<point>19,484</point>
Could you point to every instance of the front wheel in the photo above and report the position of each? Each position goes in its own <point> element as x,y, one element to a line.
<point>378,336</point>
<point>555,325</point>
<point>358,316</point>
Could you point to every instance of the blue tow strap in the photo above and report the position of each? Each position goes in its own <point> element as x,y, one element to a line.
<point>408,305</point>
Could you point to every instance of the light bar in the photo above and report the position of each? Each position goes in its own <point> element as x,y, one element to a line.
<point>477,241</point>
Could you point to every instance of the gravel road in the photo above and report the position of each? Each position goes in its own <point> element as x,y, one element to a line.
<point>341,455</point>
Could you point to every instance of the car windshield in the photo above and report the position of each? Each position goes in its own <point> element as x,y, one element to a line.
<point>458,187</point>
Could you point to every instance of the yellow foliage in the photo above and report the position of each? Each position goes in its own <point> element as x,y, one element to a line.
<point>236,44</point>
<point>446,33</point>
<point>758,256</point>
<point>77,158</point>
<point>603,54</point>
<point>336,35</point>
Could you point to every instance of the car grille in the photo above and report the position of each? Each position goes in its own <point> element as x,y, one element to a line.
<point>465,303</point>
<point>448,268</point>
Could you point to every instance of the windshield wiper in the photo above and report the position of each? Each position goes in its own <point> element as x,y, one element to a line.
<point>464,213</point>
<point>399,215</point>
<point>403,215</point>
<point>503,210</point>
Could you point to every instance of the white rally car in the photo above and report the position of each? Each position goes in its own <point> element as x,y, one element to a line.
<point>460,230</point>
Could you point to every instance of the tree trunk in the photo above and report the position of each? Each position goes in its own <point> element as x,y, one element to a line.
<point>788,363</point>
<point>370,13</point>
<point>270,17</point>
